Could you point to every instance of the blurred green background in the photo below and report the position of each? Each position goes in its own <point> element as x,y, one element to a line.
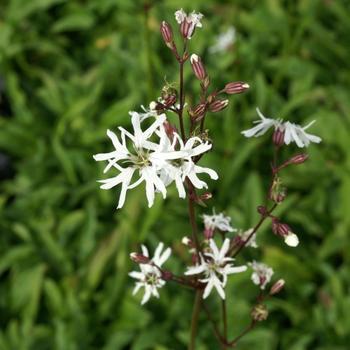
<point>71,69</point>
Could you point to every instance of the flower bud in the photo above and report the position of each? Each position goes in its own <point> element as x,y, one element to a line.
<point>218,105</point>
<point>205,196</point>
<point>259,313</point>
<point>167,34</point>
<point>277,192</point>
<point>198,67</point>
<point>277,287</point>
<point>187,241</point>
<point>169,101</point>
<point>169,129</point>
<point>278,137</point>
<point>198,112</point>
<point>186,29</point>
<point>236,87</point>
<point>298,159</point>
<point>262,210</point>
<point>208,233</point>
<point>279,228</point>
<point>284,231</point>
<point>291,240</point>
<point>167,275</point>
<point>139,258</point>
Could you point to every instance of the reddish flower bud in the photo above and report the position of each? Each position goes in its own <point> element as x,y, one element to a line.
<point>277,287</point>
<point>262,210</point>
<point>205,196</point>
<point>139,258</point>
<point>198,67</point>
<point>187,29</point>
<point>167,275</point>
<point>208,233</point>
<point>298,159</point>
<point>169,129</point>
<point>279,228</point>
<point>236,87</point>
<point>167,34</point>
<point>198,112</point>
<point>278,137</point>
<point>170,101</point>
<point>218,105</point>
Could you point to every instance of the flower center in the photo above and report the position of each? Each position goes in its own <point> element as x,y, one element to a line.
<point>151,278</point>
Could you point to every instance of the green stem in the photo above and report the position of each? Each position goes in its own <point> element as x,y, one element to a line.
<point>224,318</point>
<point>194,321</point>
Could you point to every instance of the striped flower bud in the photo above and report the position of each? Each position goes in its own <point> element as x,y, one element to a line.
<point>298,159</point>
<point>198,67</point>
<point>139,258</point>
<point>236,87</point>
<point>198,112</point>
<point>278,137</point>
<point>277,287</point>
<point>167,34</point>
<point>218,105</point>
<point>187,29</point>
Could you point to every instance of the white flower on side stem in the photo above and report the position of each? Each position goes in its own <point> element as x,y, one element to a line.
<point>262,274</point>
<point>149,277</point>
<point>215,266</point>
<point>218,221</point>
<point>224,41</point>
<point>292,132</point>
<point>252,241</point>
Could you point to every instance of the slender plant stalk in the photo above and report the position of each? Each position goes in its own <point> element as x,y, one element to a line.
<point>233,343</point>
<point>194,320</point>
<point>224,320</point>
<point>257,226</point>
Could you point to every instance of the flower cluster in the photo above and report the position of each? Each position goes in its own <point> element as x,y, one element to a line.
<point>155,154</point>
<point>291,132</point>
<point>156,158</point>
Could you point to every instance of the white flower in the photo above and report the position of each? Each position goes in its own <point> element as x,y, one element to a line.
<point>261,274</point>
<point>292,132</point>
<point>216,267</point>
<point>193,19</point>
<point>149,277</point>
<point>252,241</point>
<point>180,16</point>
<point>154,157</point>
<point>177,170</point>
<point>142,158</point>
<point>218,221</point>
<point>291,239</point>
<point>224,41</point>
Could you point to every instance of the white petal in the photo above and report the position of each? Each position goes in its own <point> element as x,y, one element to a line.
<point>292,240</point>
<point>195,270</point>
<point>147,295</point>
<point>164,257</point>
<point>208,288</point>
<point>137,275</point>
<point>126,181</point>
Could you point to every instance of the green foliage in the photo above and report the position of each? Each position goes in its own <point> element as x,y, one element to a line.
<point>71,69</point>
